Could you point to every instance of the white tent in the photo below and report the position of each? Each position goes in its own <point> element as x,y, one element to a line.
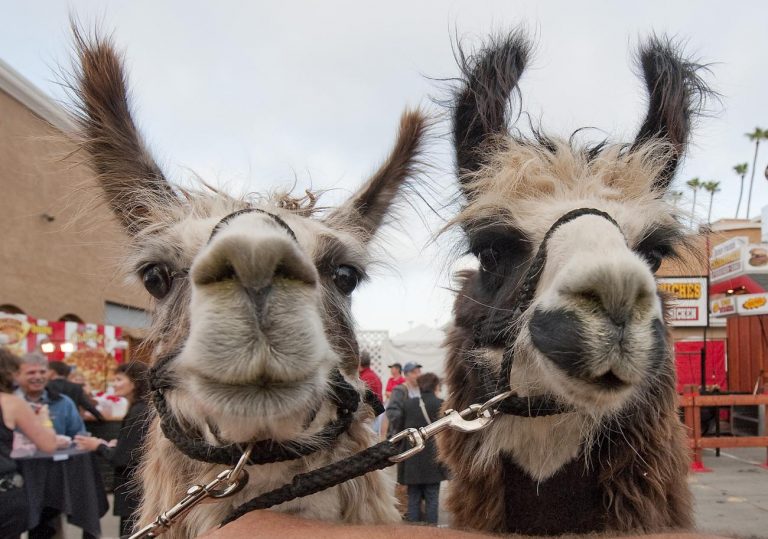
<point>421,344</point>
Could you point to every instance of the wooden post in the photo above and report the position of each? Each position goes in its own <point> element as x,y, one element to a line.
<point>765,432</point>
<point>698,464</point>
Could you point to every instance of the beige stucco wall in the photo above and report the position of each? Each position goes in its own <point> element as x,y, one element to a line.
<point>70,264</point>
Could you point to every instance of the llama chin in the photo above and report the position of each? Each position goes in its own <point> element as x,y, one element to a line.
<point>252,318</point>
<point>578,232</point>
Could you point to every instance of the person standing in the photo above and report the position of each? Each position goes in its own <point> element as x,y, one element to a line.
<point>373,382</point>
<point>367,375</point>
<point>395,379</point>
<point>401,393</point>
<point>58,382</point>
<point>16,414</point>
<point>124,453</point>
<point>422,473</point>
<point>32,378</point>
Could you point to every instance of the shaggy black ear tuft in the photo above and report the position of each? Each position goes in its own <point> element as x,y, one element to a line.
<point>676,95</point>
<point>366,209</point>
<point>131,180</point>
<point>482,102</point>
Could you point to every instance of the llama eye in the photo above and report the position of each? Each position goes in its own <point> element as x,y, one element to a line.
<point>346,279</point>
<point>489,259</point>
<point>157,280</point>
<point>653,258</point>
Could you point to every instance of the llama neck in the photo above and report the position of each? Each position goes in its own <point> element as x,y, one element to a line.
<point>539,446</point>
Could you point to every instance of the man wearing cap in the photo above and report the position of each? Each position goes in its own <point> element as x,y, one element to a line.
<point>395,379</point>
<point>401,393</point>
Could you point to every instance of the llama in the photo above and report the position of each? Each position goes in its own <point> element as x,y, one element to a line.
<point>251,317</point>
<point>592,338</point>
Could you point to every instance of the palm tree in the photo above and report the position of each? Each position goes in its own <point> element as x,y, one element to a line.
<point>741,170</point>
<point>675,196</point>
<point>756,136</point>
<point>711,187</point>
<point>694,184</point>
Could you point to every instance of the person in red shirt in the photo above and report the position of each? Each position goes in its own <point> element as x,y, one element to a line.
<point>367,375</point>
<point>396,378</point>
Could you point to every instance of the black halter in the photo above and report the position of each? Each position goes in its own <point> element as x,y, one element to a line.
<point>189,440</point>
<point>502,328</point>
<point>224,220</point>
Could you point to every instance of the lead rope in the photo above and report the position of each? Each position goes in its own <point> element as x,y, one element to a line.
<point>474,418</point>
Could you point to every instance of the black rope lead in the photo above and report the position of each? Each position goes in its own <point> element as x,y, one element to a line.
<point>374,458</point>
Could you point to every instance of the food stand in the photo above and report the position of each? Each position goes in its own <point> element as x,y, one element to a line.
<point>740,296</point>
<point>94,350</point>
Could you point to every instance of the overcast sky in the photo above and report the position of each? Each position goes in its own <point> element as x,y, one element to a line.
<point>257,95</point>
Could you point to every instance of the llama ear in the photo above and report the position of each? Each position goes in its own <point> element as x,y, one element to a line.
<point>676,95</point>
<point>131,180</point>
<point>482,102</point>
<point>365,210</point>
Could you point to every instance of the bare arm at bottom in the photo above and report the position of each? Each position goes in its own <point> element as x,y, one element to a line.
<point>270,524</point>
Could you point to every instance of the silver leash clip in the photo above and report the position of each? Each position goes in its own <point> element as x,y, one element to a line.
<point>227,483</point>
<point>475,417</point>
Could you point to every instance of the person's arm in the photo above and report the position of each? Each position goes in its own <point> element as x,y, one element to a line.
<point>35,426</point>
<point>84,402</point>
<point>269,524</point>
<point>129,439</point>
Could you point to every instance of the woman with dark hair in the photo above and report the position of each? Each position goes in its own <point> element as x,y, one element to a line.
<point>15,413</point>
<point>124,453</point>
<point>422,473</point>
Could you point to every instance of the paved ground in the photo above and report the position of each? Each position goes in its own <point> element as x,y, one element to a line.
<point>732,500</point>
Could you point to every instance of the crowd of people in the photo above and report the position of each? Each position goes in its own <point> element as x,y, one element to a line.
<point>40,402</point>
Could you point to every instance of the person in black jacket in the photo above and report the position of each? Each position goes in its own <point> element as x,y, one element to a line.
<point>124,453</point>
<point>58,372</point>
<point>422,473</point>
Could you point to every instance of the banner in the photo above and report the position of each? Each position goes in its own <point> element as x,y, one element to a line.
<point>689,305</point>
<point>736,257</point>
<point>93,349</point>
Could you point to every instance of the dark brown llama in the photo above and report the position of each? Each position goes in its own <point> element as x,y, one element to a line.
<point>593,336</point>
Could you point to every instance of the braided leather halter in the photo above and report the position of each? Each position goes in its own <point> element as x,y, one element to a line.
<point>502,330</point>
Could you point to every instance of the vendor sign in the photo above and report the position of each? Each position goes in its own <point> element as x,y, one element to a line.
<point>722,307</point>
<point>689,304</point>
<point>751,304</point>
<point>736,257</point>
<point>727,259</point>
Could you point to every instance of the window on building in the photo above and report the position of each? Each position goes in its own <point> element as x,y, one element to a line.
<point>116,314</point>
<point>69,317</point>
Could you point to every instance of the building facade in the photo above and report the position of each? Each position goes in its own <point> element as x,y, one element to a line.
<point>61,250</point>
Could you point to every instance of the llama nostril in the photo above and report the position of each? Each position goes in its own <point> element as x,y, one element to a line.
<point>610,380</point>
<point>258,299</point>
<point>590,296</point>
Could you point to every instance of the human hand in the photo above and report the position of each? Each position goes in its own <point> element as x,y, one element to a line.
<point>62,442</point>
<point>112,443</point>
<point>88,443</point>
